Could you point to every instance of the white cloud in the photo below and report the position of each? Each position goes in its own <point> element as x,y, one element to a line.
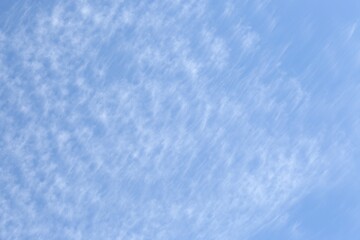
<point>148,150</point>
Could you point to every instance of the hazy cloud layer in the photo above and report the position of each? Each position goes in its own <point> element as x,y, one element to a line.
<point>162,120</point>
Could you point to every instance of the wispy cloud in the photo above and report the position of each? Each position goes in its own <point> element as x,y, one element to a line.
<point>114,128</point>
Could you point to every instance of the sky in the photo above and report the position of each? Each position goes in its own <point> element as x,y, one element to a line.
<point>195,119</point>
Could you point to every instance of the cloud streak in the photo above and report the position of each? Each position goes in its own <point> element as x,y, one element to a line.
<point>145,121</point>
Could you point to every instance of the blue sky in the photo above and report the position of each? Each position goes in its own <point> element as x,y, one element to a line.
<point>190,119</point>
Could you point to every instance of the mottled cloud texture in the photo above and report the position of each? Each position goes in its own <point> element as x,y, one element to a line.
<point>152,120</point>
